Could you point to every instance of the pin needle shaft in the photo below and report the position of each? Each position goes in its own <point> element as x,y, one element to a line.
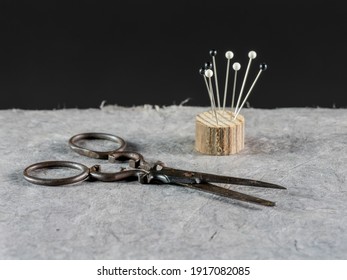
<point>213,53</point>
<point>236,67</point>
<point>234,89</point>
<point>263,67</point>
<point>226,85</point>
<point>212,94</point>
<point>229,55</point>
<point>213,105</point>
<point>252,55</point>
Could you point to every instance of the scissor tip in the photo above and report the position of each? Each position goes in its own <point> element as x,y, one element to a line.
<point>271,204</point>
<point>274,186</point>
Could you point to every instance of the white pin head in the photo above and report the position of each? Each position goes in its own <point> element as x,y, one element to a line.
<point>208,73</point>
<point>252,54</point>
<point>236,66</point>
<point>229,54</point>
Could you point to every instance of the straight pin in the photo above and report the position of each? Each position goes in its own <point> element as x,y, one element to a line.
<point>213,110</point>
<point>209,74</point>
<point>229,55</point>
<point>262,67</point>
<point>209,65</point>
<point>213,53</point>
<point>252,55</point>
<point>236,67</point>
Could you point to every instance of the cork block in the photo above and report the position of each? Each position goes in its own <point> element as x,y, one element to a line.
<point>219,134</point>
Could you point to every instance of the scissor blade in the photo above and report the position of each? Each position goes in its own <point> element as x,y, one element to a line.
<point>186,176</point>
<point>210,188</point>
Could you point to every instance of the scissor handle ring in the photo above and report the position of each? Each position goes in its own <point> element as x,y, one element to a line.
<point>95,135</point>
<point>56,181</point>
<point>96,173</point>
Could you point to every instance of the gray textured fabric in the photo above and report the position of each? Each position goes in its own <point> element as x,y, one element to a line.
<point>302,149</point>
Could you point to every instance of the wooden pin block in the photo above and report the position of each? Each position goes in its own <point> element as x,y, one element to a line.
<point>225,138</point>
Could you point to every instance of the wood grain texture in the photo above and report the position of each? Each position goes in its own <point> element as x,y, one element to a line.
<point>219,135</point>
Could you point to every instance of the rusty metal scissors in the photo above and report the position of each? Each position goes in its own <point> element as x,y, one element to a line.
<point>142,171</point>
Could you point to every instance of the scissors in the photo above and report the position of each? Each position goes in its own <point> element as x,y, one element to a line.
<point>142,171</point>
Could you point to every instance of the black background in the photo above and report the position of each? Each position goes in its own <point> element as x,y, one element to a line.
<point>57,54</point>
